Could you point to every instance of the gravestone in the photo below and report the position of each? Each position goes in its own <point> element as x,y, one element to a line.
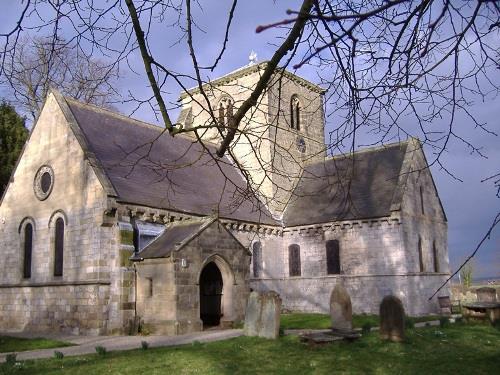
<point>340,309</point>
<point>262,316</point>
<point>486,294</point>
<point>252,314</point>
<point>392,319</point>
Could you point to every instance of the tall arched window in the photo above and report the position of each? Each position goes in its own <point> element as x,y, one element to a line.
<point>295,113</point>
<point>294,260</point>
<point>59,247</point>
<point>420,255</point>
<point>226,107</point>
<point>28,250</point>
<point>257,259</point>
<point>332,257</point>
<point>435,256</point>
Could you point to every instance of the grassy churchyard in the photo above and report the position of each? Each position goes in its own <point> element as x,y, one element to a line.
<point>18,344</point>
<point>455,349</point>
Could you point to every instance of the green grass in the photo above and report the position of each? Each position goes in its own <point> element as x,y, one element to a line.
<point>459,349</point>
<point>17,344</point>
<point>322,321</point>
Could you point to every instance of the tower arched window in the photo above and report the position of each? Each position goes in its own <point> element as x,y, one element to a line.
<point>58,247</point>
<point>225,113</point>
<point>257,259</point>
<point>28,250</point>
<point>295,113</point>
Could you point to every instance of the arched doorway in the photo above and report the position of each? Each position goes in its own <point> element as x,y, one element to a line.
<point>210,295</point>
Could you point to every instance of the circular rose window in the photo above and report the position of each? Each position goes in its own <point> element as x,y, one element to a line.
<point>44,181</point>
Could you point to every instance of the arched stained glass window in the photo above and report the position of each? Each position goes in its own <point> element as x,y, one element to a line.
<point>436,256</point>
<point>28,250</point>
<point>294,267</point>
<point>257,259</point>
<point>59,247</point>
<point>332,257</point>
<point>420,255</point>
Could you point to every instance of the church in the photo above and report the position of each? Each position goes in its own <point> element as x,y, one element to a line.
<point>110,225</point>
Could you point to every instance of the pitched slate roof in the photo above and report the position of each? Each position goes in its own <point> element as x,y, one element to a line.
<point>175,236</point>
<point>146,166</point>
<point>355,186</point>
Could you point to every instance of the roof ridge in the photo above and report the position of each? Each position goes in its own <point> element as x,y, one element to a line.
<point>369,149</point>
<point>98,109</point>
<point>130,120</point>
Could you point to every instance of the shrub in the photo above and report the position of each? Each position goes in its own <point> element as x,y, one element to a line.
<point>496,324</point>
<point>144,345</point>
<point>10,359</point>
<point>58,354</point>
<point>444,322</point>
<point>366,328</point>
<point>409,322</point>
<point>101,350</point>
<point>144,330</point>
<point>196,344</point>
<point>281,332</point>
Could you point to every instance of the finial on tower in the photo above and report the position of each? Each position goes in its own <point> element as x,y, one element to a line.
<point>252,58</point>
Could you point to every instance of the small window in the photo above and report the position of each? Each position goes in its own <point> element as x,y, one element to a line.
<point>420,255</point>
<point>294,260</point>
<point>436,256</point>
<point>332,257</point>
<point>257,259</point>
<point>59,247</point>
<point>295,113</point>
<point>28,250</point>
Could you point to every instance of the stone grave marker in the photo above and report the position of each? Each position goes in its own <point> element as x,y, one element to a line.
<point>252,314</point>
<point>340,309</point>
<point>262,316</point>
<point>486,294</point>
<point>392,319</point>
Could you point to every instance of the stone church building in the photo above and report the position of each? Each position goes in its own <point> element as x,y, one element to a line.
<point>109,223</point>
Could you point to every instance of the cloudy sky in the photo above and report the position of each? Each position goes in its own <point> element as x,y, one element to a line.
<point>470,205</point>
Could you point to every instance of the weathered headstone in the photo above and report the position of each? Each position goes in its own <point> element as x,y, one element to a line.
<point>340,309</point>
<point>252,314</point>
<point>262,317</point>
<point>392,319</point>
<point>486,294</point>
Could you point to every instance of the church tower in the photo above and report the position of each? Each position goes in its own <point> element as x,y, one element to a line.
<point>277,137</point>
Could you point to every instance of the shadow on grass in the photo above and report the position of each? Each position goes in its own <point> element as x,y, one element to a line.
<point>454,350</point>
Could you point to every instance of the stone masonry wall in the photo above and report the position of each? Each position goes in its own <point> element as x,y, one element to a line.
<point>253,128</point>
<point>374,263</point>
<point>75,309</point>
<point>288,159</point>
<point>79,199</point>
<point>265,145</point>
<point>174,306</point>
<point>428,224</point>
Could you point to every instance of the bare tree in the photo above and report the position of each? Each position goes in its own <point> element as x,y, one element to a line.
<point>380,61</point>
<point>36,64</point>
